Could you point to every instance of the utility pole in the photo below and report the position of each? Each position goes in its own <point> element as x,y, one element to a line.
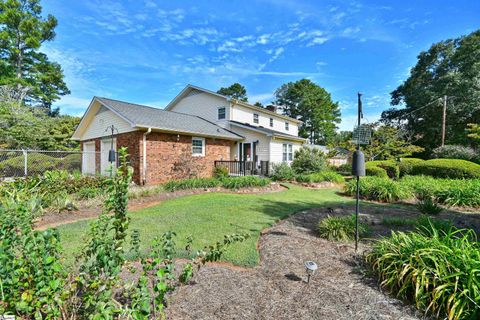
<point>444,119</point>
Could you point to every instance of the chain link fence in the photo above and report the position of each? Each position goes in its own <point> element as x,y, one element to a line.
<point>22,163</point>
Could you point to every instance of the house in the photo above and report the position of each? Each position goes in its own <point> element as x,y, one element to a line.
<point>197,128</point>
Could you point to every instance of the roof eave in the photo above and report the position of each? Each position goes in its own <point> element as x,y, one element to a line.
<point>182,93</point>
<point>190,133</point>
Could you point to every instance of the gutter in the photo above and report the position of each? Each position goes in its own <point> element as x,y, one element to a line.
<point>144,171</point>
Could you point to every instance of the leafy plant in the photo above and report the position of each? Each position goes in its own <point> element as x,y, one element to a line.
<point>379,189</point>
<point>244,182</point>
<point>439,271</point>
<point>323,176</point>
<point>341,228</point>
<point>390,167</point>
<point>220,172</point>
<point>282,172</point>
<point>308,160</point>
<point>447,168</point>
<point>428,205</point>
<point>194,183</point>
<point>398,221</point>
<point>376,171</point>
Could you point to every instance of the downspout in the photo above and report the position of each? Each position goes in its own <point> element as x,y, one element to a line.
<point>144,171</point>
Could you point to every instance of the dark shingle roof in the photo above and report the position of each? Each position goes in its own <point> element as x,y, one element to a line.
<point>267,131</point>
<point>144,116</point>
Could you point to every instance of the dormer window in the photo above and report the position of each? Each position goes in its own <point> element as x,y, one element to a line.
<point>286,126</point>
<point>221,113</point>
<point>255,118</point>
<point>271,122</point>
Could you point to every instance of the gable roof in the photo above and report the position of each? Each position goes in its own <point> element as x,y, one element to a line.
<point>140,116</point>
<point>191,87</point>
<point>266,131</point>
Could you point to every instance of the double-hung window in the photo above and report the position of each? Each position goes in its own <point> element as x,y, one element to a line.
<point>255,118</point>
<point>271,122</point>
<point>198,147</point>
<point>221,113</point>
<point>286,126</point>
<point>287,152</point>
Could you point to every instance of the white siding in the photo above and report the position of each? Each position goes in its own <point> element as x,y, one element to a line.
<point>245,115</point>
<point>203,105</point>
<point>102,119</point>
<point>276,151</point>
<point>252,136</point>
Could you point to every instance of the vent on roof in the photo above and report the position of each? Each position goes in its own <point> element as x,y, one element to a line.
<point>193,92</point>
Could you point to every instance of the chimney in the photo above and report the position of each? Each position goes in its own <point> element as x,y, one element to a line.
<point>271,107</point>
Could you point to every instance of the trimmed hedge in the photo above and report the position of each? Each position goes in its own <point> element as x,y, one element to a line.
<point>376,171</point>
<point>447,168</point>
<point>323,176</point>
<point>406,165</point>
<point>228,183</point>
<point>390,167</point>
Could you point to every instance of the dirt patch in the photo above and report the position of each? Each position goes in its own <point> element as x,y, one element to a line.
<point>55,219</point>
<point>277,288</point>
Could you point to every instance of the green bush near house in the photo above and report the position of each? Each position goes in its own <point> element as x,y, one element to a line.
<point>282,172</point>
<point>447,168</point>
<point>309,160</point>
<point>228,183</point>
<point>220,172</point>
<point>244,182</point>
<point>405,165</point>
<point>341,228</point>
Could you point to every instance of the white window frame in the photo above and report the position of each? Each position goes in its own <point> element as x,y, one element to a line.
<point>271,122</point>
<point>287,125</point>
<point>256,118</point>
<point>202,154</point>
<point>224,113</point>
<point>287,152</point>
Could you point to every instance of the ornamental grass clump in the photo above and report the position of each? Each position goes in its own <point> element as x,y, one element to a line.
<point>379,189</point>
<point>438,270</point>
<point>341,228</point>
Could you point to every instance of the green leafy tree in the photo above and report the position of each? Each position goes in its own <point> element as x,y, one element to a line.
<point>259,104</point>
<point>312,104</point>
<point>22,32</point>
<point>235,91</point>
<point>473,131</point>
<point>448,68</point>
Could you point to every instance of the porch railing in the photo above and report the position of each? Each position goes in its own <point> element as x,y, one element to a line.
<point>244,168</point>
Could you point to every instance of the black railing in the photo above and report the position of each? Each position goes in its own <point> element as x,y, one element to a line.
<point>243,168</point>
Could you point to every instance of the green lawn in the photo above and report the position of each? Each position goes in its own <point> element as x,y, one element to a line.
<point>207,217</point>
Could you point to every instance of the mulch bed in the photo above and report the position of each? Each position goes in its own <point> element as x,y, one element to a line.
<point>86,212</point>
<point>277,288</point>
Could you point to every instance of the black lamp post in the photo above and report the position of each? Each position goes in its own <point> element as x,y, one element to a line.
<point>358,168</point>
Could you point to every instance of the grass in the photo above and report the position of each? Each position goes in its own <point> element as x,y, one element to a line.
<point>208,217</point>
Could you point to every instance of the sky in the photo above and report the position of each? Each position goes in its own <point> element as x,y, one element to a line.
<point>147,51</point>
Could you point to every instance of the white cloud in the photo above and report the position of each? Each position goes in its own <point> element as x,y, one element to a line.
<point>261,97</point>
<point>317,41</point>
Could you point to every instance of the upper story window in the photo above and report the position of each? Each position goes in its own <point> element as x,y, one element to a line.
<point>271,122</point>
<point>286,126</point>
<point>255,118</point>
<point>222,113</point>
<point>198,147</point>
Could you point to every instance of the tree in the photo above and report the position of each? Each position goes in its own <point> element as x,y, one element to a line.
<point>473,131</point>
<point>22,32</point>
<point>312,104</point>
<point>448,68</point>
<point>235,91</point>
<point>259,104</point>
<point>387,142</point>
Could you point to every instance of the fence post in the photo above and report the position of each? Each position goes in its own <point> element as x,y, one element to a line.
<point>25,162</point>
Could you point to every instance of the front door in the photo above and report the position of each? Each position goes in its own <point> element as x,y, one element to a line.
<point>247,152</point>
<point>88,158</point>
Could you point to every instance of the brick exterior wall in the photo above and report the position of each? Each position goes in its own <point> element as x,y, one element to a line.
<point>169,156</point>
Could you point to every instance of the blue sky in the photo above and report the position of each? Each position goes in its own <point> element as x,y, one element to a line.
<point>147,51</point>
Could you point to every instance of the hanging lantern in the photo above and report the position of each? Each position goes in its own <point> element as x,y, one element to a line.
<point>358,164</point>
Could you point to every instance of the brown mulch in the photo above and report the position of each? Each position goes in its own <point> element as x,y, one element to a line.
<point>277,288</point>
<point>85,212</point>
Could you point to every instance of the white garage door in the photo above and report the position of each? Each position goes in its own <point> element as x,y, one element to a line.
<point>88,158</point>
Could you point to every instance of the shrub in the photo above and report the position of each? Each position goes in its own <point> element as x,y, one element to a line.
<point>447,168</point>
<point>324,176</point>
<point>345,169</point>
<point>376,172</point>
<point>440,272</point>
<point>428,205</point>
<point>341,228</point>
<point>390,167</point>
<point>36,163</point>
<point>379,189</point>
<point>406,164</point>
<point>308,160</point>
<point>398,221</point>
<point>244,182</point>
<point>194,183</point>
<point>220,172</point>
<point>282,172</point>
<point>456,152</point>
